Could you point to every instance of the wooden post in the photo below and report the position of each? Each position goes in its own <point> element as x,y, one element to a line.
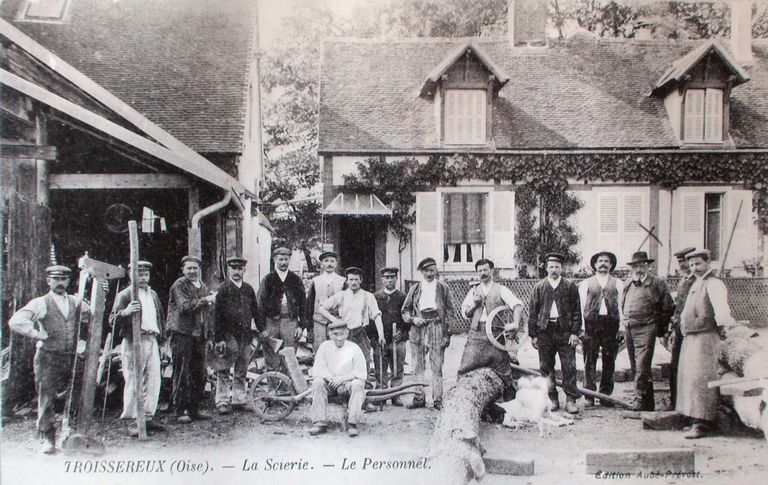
<point>85,412</point>
<point>730,239</point>
<point>135,364</point>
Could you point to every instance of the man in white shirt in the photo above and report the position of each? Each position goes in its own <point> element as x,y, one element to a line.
<point>479,302</point>
<point>52,320</point>
<point>601,313</point>
<point>148,305</point>
<point>705,316</point>
<point>339,369</point>
<point>322,287</point>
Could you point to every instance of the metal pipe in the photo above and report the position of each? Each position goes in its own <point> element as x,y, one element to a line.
<point>195,243</point>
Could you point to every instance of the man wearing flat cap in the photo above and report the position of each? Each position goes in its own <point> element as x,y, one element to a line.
<point>554,325</point>
<point>599,295</point>
<point>646,307</point>
<point>322,287</point>
<point>703,321</point>
<point>339,369</point>
<point>236,308</point>
<point>53,321</point>
<point>282,305</point>
<point>674,336</point>
<point>148,375</point>
<point>428,308</point>
<point>391,358</point>
<point>355,307</point>
<point>190,324</point>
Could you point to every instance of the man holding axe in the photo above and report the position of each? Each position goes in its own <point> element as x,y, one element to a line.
<point>391,357</point>
<point>147,377</point>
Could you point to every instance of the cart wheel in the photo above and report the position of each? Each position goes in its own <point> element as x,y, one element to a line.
<point>271,384</point>
<point>494,327</point>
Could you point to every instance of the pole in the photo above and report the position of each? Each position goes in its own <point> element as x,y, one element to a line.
<point>394,352</point>
<point>730,239</point>
<point>135,364</point>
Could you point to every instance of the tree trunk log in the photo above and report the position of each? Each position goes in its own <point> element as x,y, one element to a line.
<point>736,350</point>
<point>454,452</point>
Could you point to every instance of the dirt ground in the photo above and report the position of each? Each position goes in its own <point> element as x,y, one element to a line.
<point>239,448</point>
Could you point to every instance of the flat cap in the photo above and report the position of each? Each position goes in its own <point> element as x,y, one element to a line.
<point>389,270</point>
<point>281,251</point>
<point>554,257</point>
<point>684,252</point>
<point>426,263</point>
<point>236,261</point>
<point>328,254</point>
<point>699,253</point>
<point>194,259</point>
<point>58,270</point>
<point>142,265</point>
<point>337,324</point>
<point>353,270</point>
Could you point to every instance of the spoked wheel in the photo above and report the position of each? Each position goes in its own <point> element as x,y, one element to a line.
<point>494,327</point>
<point>264,389</point>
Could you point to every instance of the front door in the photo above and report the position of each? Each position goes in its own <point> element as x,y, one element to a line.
<point>357,247</point>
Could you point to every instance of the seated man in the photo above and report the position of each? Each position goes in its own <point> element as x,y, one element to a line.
<point>339,369</point>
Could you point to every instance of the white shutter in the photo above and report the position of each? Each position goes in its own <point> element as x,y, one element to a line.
<point>635,210</point>
<point>744,244</point>
<point>714,115</point>
<point>694,115</point>
<point>691,224</point>
<point>502,234</point>
<point>427,240</point>
<point>608,236</point>
<point>465,111</point>
<point>477,123</point>
<point>452,108</point>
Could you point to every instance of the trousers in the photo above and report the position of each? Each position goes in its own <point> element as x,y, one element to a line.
<point>282,328</point>
<point>354,389</point>
<point>390,371</point>
<point>189,373</point>
<point>239,347</point>
<point>641,342</point>
<point>52,375</point>
<point>554,342</point>
<point>428,339</point>
<point>148,375</point>
<point>601,336</point>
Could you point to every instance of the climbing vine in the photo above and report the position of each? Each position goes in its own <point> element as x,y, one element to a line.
<point>547,176</point>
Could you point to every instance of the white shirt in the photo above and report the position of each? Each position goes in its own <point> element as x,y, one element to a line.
<point>356,308</point>
<point>148,311</point>
<point>239,284</point>
<point>281,274</point>
<point>554,283</point>
<point>24,320</point>
<point>505,293</point>
<point>428,298</point>
<point>62,301</point>
<point>332,361</point>
<point>718,296</point>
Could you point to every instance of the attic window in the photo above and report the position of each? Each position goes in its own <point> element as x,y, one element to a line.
<point>703,116</point>
<point>44,10</point>
<point>465,115</point>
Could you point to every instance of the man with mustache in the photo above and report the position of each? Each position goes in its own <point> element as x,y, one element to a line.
<point>646,307</point>
<point>554,325</point>
<point>190,313</point>
<point>53,321</point>
<point>674,336</point>
<point>599,295</point>
<point>322,287</point>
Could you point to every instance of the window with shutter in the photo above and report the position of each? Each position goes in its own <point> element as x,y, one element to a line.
<point>713,216</point>
<point>465,111</point>
<point>618,216</point>
<point>464,223</point>
<point>703,116</point>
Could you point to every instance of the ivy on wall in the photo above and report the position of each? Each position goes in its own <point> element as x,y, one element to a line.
<point>547,176</point>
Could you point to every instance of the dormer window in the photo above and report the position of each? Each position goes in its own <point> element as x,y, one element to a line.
<point>43,11</point>
<point>465,116</point>
<point>703,116</point>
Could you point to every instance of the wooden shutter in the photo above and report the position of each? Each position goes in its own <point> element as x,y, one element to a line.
<point>465,116</point>
<point>694,115</point>
<point>691,223</point>
<point>608,221</point>
<point>713,124</point>
<point>427,241</point>
<point>634,210</point>
<point>502,237</point>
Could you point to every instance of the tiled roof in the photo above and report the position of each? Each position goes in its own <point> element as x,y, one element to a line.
<point>181,63</point>
<point>683,66</point>
<point>577,94</point>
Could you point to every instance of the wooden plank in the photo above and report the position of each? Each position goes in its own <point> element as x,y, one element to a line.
<point>678,460</point>
<point>94,181</point>
<point>133,232</point>
<point>29,152</point>
<point>744,389</point>
<point>499,465</point>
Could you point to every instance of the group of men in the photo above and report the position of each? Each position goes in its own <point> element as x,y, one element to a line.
<point>341,319</point>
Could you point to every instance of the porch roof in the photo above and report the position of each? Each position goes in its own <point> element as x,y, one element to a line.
<point>350,204</point>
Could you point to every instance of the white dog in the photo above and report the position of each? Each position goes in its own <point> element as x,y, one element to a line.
<point>532,405</point>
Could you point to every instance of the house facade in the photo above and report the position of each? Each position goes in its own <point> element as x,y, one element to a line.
<point>661,137</point>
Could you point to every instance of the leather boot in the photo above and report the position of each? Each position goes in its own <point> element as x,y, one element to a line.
<point>49,442</point>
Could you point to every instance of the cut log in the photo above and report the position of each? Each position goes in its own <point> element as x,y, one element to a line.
<point>735,351</point>
<point>664,420</point>
<point>454,451</point>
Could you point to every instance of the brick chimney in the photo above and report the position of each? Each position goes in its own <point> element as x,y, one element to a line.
<point>527,22</point>
<point>741,31</point>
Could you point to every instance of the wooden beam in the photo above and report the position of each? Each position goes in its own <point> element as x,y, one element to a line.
<point>28,152</point>
<point>66,181</point>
